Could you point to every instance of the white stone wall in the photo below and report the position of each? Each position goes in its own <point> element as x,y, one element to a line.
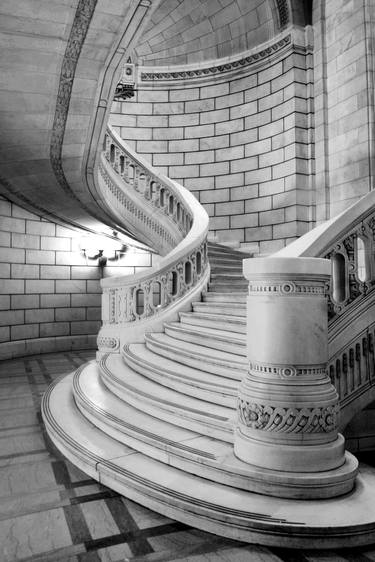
<point>344,34</point>
<point>243,145</point>
<point>50,295</point>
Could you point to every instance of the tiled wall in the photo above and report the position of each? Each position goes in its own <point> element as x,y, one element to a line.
<point>50,294</point>
<point>344,35</point>
<point>243,145</point>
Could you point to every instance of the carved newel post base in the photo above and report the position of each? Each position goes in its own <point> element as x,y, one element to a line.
<point>287,406</point>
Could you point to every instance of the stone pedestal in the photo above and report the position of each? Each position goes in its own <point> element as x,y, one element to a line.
<point>287,406</point>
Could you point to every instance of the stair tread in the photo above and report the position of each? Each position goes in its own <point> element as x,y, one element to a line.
<point>150,390</point>
<point>198,350</point>
<point>217,296</point>
<point>91,393</point>
<point>233,319</point>
<point>239,339</point>
<point>193,452</point>
<point>222,308</point>
<point>172,370</point>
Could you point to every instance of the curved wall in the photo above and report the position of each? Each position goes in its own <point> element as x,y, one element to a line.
<point>50,295</point>
<point>238,134</point>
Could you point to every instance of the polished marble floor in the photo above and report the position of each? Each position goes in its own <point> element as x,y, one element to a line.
<point>49,510</point>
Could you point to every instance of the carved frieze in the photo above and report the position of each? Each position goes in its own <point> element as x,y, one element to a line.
<point>288,420</point>
<point>186,74</point>
<point>106,343</point>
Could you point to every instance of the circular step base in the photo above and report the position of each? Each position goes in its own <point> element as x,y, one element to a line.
<point>346,521</point>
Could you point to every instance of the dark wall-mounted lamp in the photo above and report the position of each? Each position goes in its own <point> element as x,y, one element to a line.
<point>126,85</point>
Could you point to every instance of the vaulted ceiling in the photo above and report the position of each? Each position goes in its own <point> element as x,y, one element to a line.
<point>58,74</point>
<point>193,31</point>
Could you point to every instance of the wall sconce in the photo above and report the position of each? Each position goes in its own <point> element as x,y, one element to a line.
<point>102,249</point>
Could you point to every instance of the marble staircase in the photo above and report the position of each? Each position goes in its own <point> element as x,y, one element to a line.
<point>155,422</point>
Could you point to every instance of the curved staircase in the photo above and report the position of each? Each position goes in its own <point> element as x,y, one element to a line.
<point>155,423</point>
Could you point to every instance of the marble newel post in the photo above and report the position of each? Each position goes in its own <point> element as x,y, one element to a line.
<point>288,408</point>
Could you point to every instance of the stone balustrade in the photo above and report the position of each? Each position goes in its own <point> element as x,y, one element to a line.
<point>348,241</point>
<point>152,188</point>
<point>170,220</point>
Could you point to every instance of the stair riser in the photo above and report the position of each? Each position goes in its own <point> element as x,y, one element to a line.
<point>207,341</point>
<point>230,277</point>
<point>217,309</point>
<point>217,324</point>
<point>214,297</point>
<point>227,288</point>
<point>226,262</point>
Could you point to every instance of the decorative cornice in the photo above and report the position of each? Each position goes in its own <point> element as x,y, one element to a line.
<point>289,288</point>
<point>287,371</point>
<point>219,68</point>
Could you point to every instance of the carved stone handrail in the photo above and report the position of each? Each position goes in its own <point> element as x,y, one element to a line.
<point>167,217</point>
<point>348,240</point>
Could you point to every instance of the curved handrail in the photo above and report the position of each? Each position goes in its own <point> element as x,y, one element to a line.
<point>348,240</point>
<point>166,216</point>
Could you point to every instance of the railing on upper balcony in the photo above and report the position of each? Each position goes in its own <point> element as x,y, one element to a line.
<point>166,216</point>
<point>349,242</point>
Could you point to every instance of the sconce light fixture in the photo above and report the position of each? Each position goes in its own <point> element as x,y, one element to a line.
<point>102,249</point>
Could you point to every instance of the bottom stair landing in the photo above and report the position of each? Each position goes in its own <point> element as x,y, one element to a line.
<point>227,510</point>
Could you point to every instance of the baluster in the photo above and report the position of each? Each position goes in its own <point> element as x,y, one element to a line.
<point>344,370</point>
<point>338,377</point>
<point>107,149</point>
<point>155,188</point>
<point>135,178</point>
<point>352,369</point>
<point>116,164</point>
<point>129,171</point>
<point>147,190</point>
<point>371,358</point>
<point>358,362</point>
<point>366,367</point>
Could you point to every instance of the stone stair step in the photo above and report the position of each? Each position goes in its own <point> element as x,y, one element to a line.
<point>218,362</point>
<point>179,447</point>
<point>228,287</point>
<point>223,308</point>
<point>201,502</point>
<point>229,323</point>
<point>182,378</point>
<point>209,337</point>
<point>164,403</point>
<point>226,263</point>
<point>227,276</point>
<point>238,297</point>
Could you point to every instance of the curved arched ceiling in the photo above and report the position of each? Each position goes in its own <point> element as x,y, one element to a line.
<point>192,31</point>
<point>57,79</point>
